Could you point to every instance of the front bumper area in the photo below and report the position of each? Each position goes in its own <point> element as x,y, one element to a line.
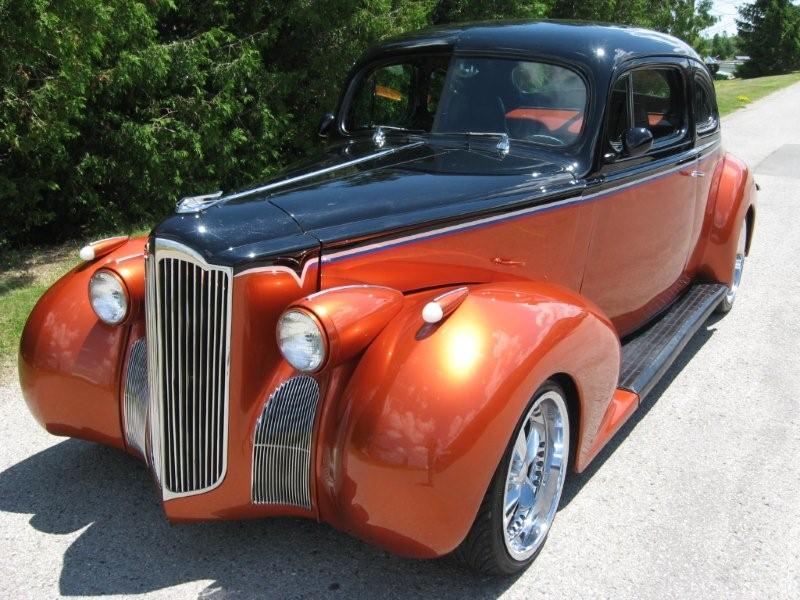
<point>84,379</point>
<point>77,376</point>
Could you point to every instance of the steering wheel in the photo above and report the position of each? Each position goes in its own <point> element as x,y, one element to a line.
<point>544,136</point>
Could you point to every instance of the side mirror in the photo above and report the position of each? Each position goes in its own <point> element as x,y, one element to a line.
<point>325,125</point>
<point>637,141</point>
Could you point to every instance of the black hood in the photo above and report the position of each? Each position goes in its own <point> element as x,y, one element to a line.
<point>356,191</point>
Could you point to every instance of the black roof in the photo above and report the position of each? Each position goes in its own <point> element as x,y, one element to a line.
<point>582,42</point>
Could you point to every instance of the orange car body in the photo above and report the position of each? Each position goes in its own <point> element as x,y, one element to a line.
<point>413,417</point>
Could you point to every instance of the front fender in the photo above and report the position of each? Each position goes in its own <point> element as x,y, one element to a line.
<point>70,362</point>
<point>427,414</point>
<point>734,198</point>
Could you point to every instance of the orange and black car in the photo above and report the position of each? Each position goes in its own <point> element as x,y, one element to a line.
<point>511,232</point>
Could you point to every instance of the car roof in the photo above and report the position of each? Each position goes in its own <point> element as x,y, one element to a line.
<point>572,41</point>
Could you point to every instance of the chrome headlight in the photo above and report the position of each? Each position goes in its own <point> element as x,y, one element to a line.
<point>108,297</point>
<point>301,340</point>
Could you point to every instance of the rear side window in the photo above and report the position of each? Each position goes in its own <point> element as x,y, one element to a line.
<point>658,102</point>
<point>705,109</point>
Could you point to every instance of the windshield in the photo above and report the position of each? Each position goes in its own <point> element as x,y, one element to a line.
<point>532,101</point>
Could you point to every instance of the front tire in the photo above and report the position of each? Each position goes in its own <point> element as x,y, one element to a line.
<point>515,516</point>
<point>726,305</point>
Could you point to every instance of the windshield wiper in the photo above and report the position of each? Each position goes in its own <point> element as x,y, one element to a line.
<point>503,144</point>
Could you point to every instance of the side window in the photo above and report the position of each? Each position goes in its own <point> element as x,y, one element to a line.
<point>658,102</point>
<point>619,117</point>
<point>383,98</point>
<point>706,118</point>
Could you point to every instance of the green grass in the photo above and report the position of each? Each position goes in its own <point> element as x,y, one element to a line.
<point>24,277</point>
<point>738,93</point>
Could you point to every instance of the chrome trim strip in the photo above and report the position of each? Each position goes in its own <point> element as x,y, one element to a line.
<point>155,366</point>
<point>136,397</point>
<point>189,387</point>
<point>325,171</point>
<point>194,204</point>
<point>282,442</point>
<point>312,262</point>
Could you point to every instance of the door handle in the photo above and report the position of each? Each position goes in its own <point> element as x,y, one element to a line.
<point>696,173</point>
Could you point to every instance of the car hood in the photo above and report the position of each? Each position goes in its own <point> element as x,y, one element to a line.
<point>355,191</point>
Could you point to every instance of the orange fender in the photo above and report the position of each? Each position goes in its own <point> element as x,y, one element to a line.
<point>409,451</point>
<point>734,199</point>
<point>70,362</point>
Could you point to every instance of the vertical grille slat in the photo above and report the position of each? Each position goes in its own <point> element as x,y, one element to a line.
<point>136,396</point>
<point>282,444</point>
<point>213,361</point>
<point>188,316</point>
<point>179,485</point>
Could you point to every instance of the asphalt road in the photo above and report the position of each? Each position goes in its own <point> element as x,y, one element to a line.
<point>698,496</point>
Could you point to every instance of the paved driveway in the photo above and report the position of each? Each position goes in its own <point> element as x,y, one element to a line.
<point>698,496</point>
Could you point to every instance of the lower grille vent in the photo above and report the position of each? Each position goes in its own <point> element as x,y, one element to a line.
<point>282,448</point>
<point>136,396</point>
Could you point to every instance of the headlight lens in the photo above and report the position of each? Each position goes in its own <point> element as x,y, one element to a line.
<point>108,297</point>
<point>301,341</point>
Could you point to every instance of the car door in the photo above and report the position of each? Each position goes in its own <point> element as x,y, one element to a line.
<point>644,207</point>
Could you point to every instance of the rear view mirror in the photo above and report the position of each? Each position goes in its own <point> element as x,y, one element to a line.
<point>637,141</point>
<point>326,124</point>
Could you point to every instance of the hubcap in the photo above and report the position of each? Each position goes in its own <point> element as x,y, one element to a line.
<point>535,475</point>
<point>738,266</point>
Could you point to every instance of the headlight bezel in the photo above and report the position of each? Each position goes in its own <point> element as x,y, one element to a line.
<point>323,335</point>
<point>115,277</point>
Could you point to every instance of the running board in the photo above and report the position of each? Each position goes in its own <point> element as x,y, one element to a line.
<point>647,355</point>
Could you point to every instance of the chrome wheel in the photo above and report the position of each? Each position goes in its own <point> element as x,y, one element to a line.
<point>738,266</point>
<point>535,475</point>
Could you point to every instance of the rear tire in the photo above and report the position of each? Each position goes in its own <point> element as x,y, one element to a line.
<point>515,516</point>
<point>726,305</point>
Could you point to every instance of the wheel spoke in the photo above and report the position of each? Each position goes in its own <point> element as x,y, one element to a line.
<point>511,501</point>
<point>535,475</point>
<point>535,443</point>
<point>520,448</point>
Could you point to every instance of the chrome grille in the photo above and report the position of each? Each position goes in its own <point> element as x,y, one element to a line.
<point>189,317</point>
<point>136,397</point>
<point>282,446</point>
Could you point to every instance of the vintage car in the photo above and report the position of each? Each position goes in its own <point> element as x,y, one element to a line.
<point>511,232</point>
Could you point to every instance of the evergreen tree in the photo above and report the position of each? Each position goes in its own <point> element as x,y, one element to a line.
<point>723,46</point>
<point>111,110</point>
<point>769,33</point>
<point>633,12</point>
<point>459,11</point>
<point>684,19</point>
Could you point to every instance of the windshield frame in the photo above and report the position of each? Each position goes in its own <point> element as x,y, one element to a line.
<point>364,69</point>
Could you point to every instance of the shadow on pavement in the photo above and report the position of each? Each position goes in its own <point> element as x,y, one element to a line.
<point>128,547</point>
<point>576,481</point>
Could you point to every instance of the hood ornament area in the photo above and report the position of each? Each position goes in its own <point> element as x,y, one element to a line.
<point>192,204</point>
<point>379,137</point>
<point>504,145</point>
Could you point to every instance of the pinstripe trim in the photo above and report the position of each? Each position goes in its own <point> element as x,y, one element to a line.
<point>509,216</point>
